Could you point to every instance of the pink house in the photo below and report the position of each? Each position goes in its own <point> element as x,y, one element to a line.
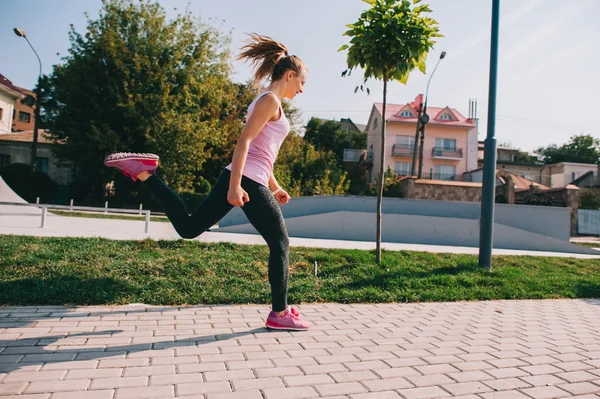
<point>450,146</point>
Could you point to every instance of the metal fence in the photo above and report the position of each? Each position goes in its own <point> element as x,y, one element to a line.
<point>45,208</point>
<point>588,222</point>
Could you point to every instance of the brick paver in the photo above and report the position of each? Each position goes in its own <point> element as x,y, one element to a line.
<point>470,350</point>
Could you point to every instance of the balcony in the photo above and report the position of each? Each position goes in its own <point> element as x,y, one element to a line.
<point>352,155</point>
<point>403,150</point>
<point>448,177</point>
<point>444,153</point>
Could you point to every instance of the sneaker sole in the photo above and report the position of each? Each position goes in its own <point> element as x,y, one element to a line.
<point>285,328</point>
<point>112,161</point>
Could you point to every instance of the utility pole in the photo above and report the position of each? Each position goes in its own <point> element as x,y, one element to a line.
<point>424,119</point>
<point>38,102</point>
<point>486,233</point>
<point>413,166</point>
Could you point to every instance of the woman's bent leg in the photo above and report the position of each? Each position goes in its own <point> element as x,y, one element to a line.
<point>212,209</point>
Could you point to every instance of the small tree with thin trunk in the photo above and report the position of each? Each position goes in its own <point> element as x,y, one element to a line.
<point>389,40</point>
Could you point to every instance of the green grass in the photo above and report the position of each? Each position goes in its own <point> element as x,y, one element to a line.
<point>588,244</point>
<point>107,216</point>
<point>85,271</point>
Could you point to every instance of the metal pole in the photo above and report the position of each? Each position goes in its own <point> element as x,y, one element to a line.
<point>36,112</point>
<point>422,143</point>
<point>424,122</point>
<point>36,124</point>
<point>413,166</point>
<point>486,233</point>
<point>44,210</point>
<point>147,221</point>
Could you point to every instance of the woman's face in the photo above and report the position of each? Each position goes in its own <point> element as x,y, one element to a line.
<point>295,83</point>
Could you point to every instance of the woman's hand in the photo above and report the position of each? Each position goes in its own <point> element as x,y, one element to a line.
<point>236,196</point>
<point>282,197</point>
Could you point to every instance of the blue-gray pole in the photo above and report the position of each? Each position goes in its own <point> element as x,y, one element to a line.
<point>486,233</point>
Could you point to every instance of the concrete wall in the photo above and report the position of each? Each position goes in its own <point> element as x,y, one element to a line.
<point>548,221</point>
<point>440,190</point>
<point>535,228</point>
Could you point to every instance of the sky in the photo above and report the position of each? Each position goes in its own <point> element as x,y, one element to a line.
<point>548,83</point>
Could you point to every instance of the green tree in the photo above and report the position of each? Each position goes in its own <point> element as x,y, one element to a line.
<point>582,149</point>
<point>590,199</point>
<point>136,81</point>
<point>389,40</point>
<point>303,170</point>
<point>332,136</point>
<point>525,157</point>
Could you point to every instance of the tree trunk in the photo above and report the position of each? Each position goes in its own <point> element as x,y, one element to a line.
<point>381,170</point>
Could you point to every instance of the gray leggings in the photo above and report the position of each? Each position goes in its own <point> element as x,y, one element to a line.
<point>262,211</point>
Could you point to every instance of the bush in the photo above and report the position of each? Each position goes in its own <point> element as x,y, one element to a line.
<point>29,185</point>
<point>590,199</point>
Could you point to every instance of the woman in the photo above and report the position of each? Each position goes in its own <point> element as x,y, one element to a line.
<point>248,182</point>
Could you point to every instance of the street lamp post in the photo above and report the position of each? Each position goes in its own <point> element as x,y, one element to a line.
<point>425,118</point>
<point>38,98</point>
<point>486,232</point>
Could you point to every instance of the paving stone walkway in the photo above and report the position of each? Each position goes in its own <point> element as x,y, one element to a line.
<point>467,350</point>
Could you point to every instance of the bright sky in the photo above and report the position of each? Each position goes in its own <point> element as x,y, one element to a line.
<point>548,82</point>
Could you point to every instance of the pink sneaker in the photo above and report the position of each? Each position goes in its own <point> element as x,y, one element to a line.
<point>289,321</point>
<point>132,164</point>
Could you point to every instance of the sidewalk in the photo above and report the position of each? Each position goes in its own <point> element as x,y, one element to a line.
<point>468,350</point>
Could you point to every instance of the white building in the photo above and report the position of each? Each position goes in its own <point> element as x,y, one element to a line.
<point>8,95</point>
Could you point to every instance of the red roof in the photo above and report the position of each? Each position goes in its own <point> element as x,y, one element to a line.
<point>8,84</point>
<point>392,111</point>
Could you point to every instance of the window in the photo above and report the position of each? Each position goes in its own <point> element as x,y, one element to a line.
<point>4,160</point>
<point>446,117</point>
<point>375,123</point>
<point>575,175</point>
<point>407,114</point>
<point>24,117</point>
<point>402,168</point>
<point>446,144</point>
<point>1,113</point>
<point>405,141</point>
<point>444,172</point>
<point>41,165</point>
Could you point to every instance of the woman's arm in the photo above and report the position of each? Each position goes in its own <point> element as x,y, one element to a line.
<point>273,185</point>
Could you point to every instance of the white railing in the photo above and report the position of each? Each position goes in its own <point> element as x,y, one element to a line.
<point>45,208</point>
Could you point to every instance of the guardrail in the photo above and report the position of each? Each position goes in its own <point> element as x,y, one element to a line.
<point>45,208</point>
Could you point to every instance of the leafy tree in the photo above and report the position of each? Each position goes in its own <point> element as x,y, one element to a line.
<point>136,81</point>
<point>388,41</point>
<point>332,136</point>
<point>582,149</point>
<point>590,199</point>
<point>304,170</point>
<point>525,157</point>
